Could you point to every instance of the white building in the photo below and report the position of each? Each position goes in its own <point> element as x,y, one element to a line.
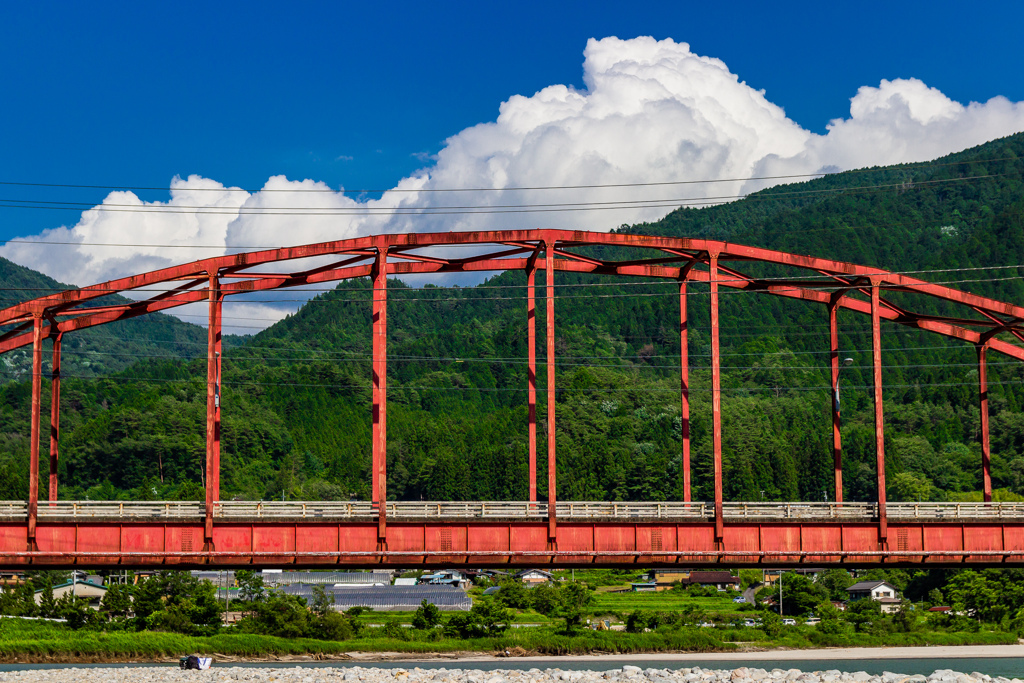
<point>879,591</point>
<point>79,588</point>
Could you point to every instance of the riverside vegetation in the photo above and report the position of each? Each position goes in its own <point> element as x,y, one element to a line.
<point>172,612</point>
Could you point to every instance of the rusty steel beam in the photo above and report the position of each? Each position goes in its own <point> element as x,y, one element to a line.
<point>684,388</point>
<point>213,386</point>
<point>33,467</point>
<point>876,365</point>
<point>515,542</point>
<point>837,437</point>
<point>716,395</point>
<point>55,413</point>
<point>531,372</point>
<point>727,251</point>
<point>248,260</point>
<point>380,390</point>
<point>986,452</point>
<point>549,281</point>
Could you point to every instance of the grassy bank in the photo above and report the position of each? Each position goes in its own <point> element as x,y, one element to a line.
<point>41,642</point>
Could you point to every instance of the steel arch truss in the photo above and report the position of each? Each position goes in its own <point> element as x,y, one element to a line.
<point>983,322</point>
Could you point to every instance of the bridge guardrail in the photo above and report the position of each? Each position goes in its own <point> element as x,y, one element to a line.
<point>591,510</point>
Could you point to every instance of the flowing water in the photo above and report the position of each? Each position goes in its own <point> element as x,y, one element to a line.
<point>1011,667</point>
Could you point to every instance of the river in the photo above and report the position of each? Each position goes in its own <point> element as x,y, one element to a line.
<point>1009,666</point>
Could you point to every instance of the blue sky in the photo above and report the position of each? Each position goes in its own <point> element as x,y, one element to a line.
<point>356,94</point>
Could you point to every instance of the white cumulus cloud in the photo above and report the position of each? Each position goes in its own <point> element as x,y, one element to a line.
<point>651,111</point>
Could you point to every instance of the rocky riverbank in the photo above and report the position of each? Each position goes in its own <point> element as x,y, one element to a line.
<point>357,674</point>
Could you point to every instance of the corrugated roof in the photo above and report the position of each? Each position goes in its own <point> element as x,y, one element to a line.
<point>327,578</point>
<point>868,585</point>
<point>712,577</point>
<point>389,598</point>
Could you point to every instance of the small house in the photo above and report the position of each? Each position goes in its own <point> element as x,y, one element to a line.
<point>534,577</point>
<point>723,581</point>
<point>664,579</point>
<point>879,591</point>
<point>91,588</point>
<point>446,577</point>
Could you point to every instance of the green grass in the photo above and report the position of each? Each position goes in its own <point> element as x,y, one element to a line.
<point>46,641</point>
<point>662,601</point>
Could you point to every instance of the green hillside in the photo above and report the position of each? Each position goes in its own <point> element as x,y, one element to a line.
<point>296,396</point>
<point>100,350</point>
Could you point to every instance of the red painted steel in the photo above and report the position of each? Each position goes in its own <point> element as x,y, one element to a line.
<point>986,452</point>
<point>837,437</point>
<point>686,249</point>
<point>55,414</point>
<point>514,543</point>
<point>381,255</point>
<point>684,388</point>
<point>876,365</point>
<point>716,394</point>
<point>531,372</point>
<point>380,387</point>
<point>549,279</point>
<point>33,468</point>
<point>213,367</point>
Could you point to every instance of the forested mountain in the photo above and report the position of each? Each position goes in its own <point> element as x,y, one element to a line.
<point>99,350</point>
<point>296,396</point>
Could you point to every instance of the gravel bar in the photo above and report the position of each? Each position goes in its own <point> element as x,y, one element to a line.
<point>357,674</point>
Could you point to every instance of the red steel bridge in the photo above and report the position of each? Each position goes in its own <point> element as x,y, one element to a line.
<point>524,533</point>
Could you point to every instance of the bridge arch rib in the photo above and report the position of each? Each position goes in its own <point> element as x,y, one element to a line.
<point>985,323</point>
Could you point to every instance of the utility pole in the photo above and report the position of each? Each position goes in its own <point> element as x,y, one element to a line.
<point>779,592</point>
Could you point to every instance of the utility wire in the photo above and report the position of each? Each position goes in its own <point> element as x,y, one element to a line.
<point>474,209</point>
<point>908,166</point>
<point>557,285</point>
<point>747,390</point>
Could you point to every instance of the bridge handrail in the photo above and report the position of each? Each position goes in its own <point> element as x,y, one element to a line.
<point>163,509</point>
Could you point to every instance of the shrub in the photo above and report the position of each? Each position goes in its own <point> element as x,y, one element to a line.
<point>641,620</point>
<point>393,629</point>
<point>426,617</point>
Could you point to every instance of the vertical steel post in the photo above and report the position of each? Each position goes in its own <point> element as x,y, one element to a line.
<point>837,437</point>
<point>716,398</point>
<point>684,386</point>
<point>876,364</point>
<point>531,372</point>
<point>33,467</point>
<point>549,278</point>
<point>55,411</point>
<point>213,393</point>
<point>986,453</point>
<point>380,388</point>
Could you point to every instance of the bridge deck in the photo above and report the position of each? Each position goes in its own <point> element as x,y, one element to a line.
<point>591,511</point>
<point>330,534</point>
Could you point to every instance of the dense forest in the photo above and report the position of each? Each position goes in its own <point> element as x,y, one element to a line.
<point>296,417</point>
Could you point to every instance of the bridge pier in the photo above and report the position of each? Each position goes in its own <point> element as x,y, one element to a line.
<point>54,410</point>
<point>876,366</point>
<point>380,390</point>
<point>531,369</point>
<point>986,454</point>
<point>837,437</point>
<point>213,368</point>
<point>33,467</point>
<point>684,386</point>
<point>716,397</point>
<point>549,278</point>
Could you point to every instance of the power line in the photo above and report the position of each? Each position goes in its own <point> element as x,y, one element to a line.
<point>473,209</point>
<point>561,361</point>
<point>558,285</point>
<point>693,390</point>
<point>907,166</point>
